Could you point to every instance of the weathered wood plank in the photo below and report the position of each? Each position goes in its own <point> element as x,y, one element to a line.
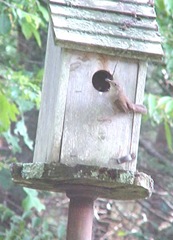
<point>129,8</point>
<point>142,2</point>
<point>140,86</point>
<point>111,45</point>
<point>93,132</point>
<point>105,29</point>
<point>60,105</point>
<point>100,182</point>
<point>135,1</point>
<point>90,26</point>
<point>104,17</point>
<point>51,116</point>
<point>46,114</point>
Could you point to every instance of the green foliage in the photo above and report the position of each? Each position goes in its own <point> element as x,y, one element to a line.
<point>160,110</point>
<point>32,200</point>
<point>5,179</point>
<point>168,135</point>
<point>19,88</point>
<point>21,130</point>
<point>5,24</point>
<point>61,232</point>
<point>23,88</point>
<point>8,113</point>
<point>121,233</point>
<point>164,9</point>
<point>12,140</point>
<point>27,226</point>
<point>21,95</point>
<point>29,15</point>
<point>160,107</point>
<point>31,223</point>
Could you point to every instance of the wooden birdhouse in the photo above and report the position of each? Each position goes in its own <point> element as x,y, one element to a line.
<point>85,140</point>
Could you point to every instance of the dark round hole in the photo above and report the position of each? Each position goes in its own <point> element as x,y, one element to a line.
<point>98,80</point>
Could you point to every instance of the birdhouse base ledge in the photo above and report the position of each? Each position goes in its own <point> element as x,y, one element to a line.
<point>102,182</point>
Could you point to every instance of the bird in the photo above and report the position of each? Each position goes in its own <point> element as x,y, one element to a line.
<point>121,101</point>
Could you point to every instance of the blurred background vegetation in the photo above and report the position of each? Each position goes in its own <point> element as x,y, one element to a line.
<point>28,214</point>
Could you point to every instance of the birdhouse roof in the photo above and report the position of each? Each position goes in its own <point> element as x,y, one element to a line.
<point>124,28</point>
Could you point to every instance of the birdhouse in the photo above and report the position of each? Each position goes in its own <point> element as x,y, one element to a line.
<point>92,98</point>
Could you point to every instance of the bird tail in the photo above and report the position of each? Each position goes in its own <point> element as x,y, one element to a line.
<point>139,108</point>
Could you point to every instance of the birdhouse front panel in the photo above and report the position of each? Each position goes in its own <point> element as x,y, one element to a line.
<point>95,131</point>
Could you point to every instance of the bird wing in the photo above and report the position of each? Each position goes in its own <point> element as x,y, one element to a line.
<point>122,105</point>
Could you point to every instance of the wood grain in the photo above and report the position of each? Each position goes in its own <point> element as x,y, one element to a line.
<point>139,97</point>
<point>100,16</point>
<point>94,133</point>
<point>107,29</point>
<point>112,6</point>
<point>118,28</point>
<point>51,116</point>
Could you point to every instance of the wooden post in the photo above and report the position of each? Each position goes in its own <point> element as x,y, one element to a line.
<point>80,217</point>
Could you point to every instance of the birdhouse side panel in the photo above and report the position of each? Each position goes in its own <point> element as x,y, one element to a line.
<point>49,130</point>
<point>141,79</point>
<point>95,132</point>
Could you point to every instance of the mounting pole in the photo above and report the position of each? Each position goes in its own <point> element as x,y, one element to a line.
<point>80,216</point>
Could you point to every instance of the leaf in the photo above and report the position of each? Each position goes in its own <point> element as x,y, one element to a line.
<point>44,12</point>
<point>5,179</point>
<point>32,200</point>
<point>37,37</point>
<point>22,130</point>
<point>152,102</point>
<point>36,221</point>
<point>5,24</point>
<point>16,219</point>
<point>29,25</point>
<point>160,4</point>
<point>26,29</point>
<point>8,113</point>
<point>169,106</point>
<point>29,29</point>
<point>36,21</point>
<point>61,231</point>
<point>5,213</point>
<point>163,101</point>
<point>13,141</point>
<point>121,233</point>
<point>168,136</point>
<point>26,215</point>
<point>169,5</point>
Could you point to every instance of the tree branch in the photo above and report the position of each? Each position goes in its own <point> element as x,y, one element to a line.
<point>151,150</point>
